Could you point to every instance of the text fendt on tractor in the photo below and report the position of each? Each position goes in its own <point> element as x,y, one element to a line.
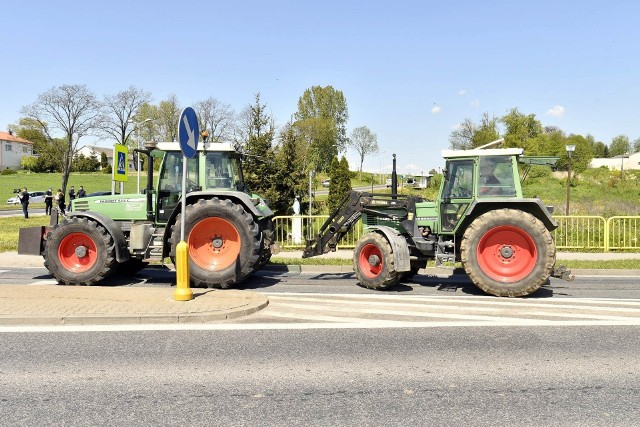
<point>479,218</point>
<point>229,231</point>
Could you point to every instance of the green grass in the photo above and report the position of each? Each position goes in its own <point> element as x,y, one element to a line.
<point>95,181</point>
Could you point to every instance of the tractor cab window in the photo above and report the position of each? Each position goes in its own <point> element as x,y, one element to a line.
<point>495,177</point>
<point>222,171</point>
<point>170,183</point>
<point>459,180</point>
<point>458,192</point>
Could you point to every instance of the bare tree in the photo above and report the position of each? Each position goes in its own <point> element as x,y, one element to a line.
<point>461,138</point>
<point>216,118</point>
<point>364,142</point>
<point>119,111</point>
<point>71,109</point>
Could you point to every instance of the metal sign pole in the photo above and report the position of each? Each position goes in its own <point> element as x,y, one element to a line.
<point>183,198</point>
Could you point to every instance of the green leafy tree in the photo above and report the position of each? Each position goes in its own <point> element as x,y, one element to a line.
<point>71,110</point>
<point>259,156</point>
<point>322,117</point>
<point>289,176</point>
<point>104,160</point>
<point>168,114</point>
<point>636,145</point>
<point>340,183</point>
<point>619,145</point>
<point>520,129</point>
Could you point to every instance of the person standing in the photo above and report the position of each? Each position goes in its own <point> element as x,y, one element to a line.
<point>60,200</point>
<point>72,195</point>
<point>24,200</point>
<point>81,192</point>
<point>48,202</point>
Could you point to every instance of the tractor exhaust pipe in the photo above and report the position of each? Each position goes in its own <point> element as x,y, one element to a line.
<point>394,179</point>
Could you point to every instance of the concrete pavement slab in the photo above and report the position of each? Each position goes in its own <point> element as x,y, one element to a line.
<point>97,305</point>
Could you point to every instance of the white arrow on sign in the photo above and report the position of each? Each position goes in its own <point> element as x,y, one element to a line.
<point>192,140</point>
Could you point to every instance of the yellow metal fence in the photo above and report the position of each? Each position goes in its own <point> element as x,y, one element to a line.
<point>573,233</point>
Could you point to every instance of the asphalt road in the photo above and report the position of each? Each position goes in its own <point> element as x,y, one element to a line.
<point>483,376</point>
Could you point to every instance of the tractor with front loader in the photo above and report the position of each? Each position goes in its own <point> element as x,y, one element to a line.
<point>229,231</point>
<point>479,219</point>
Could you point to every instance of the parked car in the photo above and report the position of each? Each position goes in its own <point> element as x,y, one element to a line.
<point>326,182</point>
<point>34,197</point>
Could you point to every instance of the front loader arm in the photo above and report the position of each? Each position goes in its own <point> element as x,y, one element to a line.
<point>342,220</point>
<point>337,225</point>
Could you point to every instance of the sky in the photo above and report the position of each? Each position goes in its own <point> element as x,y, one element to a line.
<point>411,71</point>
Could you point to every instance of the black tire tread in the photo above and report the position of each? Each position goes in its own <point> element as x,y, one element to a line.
<point>530,224</point>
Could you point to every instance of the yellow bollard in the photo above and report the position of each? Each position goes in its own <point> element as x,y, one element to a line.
<point>183,290</point>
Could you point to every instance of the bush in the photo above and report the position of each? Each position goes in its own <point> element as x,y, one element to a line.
<point>8,171</point>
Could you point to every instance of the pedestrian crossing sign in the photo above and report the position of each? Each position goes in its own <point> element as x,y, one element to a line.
<point>120,164</point>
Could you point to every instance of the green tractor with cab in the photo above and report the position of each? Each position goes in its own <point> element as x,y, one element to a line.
<point>229,231</point>
<point>479,219</point>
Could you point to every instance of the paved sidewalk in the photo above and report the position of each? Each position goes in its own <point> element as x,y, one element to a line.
<point>99,305</point>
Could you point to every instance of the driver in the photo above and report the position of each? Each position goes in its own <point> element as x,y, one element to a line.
<point>488,180</point>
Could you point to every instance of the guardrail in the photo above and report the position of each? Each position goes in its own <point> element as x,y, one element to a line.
<point>577,232</point>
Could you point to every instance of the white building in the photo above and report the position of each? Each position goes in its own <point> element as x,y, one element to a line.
<point>623,162</point>
<point>12,150</point>
<point>94,150</point>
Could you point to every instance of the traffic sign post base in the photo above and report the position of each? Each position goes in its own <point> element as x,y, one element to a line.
<point>183,290</point>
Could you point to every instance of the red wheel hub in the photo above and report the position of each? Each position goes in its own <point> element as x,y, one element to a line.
<point>77,252</point>
<point>214,244</point>
<point>370,260</point>
<point>507,254</point>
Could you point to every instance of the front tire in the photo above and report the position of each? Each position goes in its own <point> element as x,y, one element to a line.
<point>373,262</point>
<point>223,243</point>
<point>79,251</point>
<point>508,253</point>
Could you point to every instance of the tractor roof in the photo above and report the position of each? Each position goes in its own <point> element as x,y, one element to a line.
<point>480,152</point>
<point>207,146</point>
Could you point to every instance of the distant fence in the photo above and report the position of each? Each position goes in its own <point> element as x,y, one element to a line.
<point>619,233</point>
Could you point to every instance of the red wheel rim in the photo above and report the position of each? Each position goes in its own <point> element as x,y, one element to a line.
<point>368,269</point>
<point>77,252</point>
<point>214,244</point>
<point>507,254</point>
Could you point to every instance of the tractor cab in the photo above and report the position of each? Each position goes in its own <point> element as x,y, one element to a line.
<point>216,167</point>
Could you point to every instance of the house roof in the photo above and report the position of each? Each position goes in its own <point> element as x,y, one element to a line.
<point>6,136</point>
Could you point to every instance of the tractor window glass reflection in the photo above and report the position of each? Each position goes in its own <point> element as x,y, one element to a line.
<point>222,170</point>
<point>496,177</point>
<point>460,179</point>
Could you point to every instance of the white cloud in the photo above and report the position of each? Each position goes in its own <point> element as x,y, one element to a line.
<point>557,111</point>
<point>436,109</point>
<point>462,92</point>
<point>475,103</point>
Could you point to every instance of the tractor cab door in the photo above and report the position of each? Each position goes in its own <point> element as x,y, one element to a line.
<point>457,192</point>
<point>170,183</point>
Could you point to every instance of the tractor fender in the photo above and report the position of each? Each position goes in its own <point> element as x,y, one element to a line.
<point>532,206</point>
<point>237,197</point>
<point>398,246</point>
<point>112,227</point>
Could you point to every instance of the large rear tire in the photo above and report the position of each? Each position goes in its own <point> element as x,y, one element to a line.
<point>508,253</point>
<point>373,262</point>
<point>79,251</point>
<point>223,243</point>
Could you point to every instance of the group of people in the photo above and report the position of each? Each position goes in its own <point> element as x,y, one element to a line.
<point>49,198</point>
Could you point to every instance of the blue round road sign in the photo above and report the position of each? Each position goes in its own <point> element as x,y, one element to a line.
<point>188,132</point>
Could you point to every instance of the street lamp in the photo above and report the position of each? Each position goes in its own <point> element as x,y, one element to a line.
<point>136,126</point>
<point>570,150</point>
